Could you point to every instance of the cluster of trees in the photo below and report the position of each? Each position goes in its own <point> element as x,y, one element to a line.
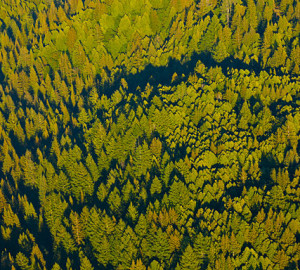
<point>115,156</point>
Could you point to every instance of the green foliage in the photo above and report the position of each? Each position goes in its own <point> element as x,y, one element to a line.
<point>22,261</point>
<point>189,259</point>
<point>149,134</point>
<point>155,186</point>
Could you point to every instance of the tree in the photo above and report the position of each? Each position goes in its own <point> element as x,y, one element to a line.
<point>245,116</point>
<point>235,246</point>
<point>76,228</point>
<point>267,43</point>
<point>179,194</point>
<point>157,245</point>
<point>22,261</point>
<point>71,39</point>
<point>75,6</point>
<point>99,10</point>
<point>141,226</point>
<point>92,167</point>
<point>114,200</point>
<point>189,259</point>
<point>156,148</point>
<point>222,49</point>
<point>142,159</point>
<point>54,209</point>
<point>276,197</point>
<point>296,51</point>
<point>155,186</point>
<point>102,192</point>
<point>29,169</point>
<point>132,212</point>
<point>209,38</point>
<point>155,22</point>
<point>64,64</point>
<point>78,56</point>
<point>138,265</point>
<point>202,247</point>
<point>56,267</point>
<point>62,17</point>
<point>205,7</point>
<point>33,79</point>
<point>252,14</point>
<point>3,202</point>
<point>279,57</point>
<point>85,263</point>
<point>52,15</point>
<point>104,253</point>
<point>10,218</point>
<point>281,259</point>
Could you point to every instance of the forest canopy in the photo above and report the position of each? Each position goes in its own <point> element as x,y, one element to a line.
<point>149,134</point>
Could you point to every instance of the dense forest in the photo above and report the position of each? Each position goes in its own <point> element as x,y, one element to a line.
<point>149,134</point>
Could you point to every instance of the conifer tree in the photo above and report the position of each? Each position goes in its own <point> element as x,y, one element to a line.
<point>189,259</point>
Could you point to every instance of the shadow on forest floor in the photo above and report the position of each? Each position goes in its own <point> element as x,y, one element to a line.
<point>155,75</point>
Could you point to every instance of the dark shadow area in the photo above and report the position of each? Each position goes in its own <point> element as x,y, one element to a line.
<point>18,145</point>
<point>267,163</point>
<point>2,77</point>
<point>293,265</point>
<point>276,108</point>
<point>234,191</point>
<point>45,242</point>
<point>162,75</point>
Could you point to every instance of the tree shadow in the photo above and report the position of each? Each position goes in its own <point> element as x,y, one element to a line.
<point>267,164</point>
<point>162,75</point>
<point>2,77</point>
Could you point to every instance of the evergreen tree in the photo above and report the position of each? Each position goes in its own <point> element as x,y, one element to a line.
<point>85,263</point>
<point>155,186</point>
<point>76,228</point>
<point>189,259</point>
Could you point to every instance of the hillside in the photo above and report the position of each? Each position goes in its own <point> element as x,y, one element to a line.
<point>149,134</point>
